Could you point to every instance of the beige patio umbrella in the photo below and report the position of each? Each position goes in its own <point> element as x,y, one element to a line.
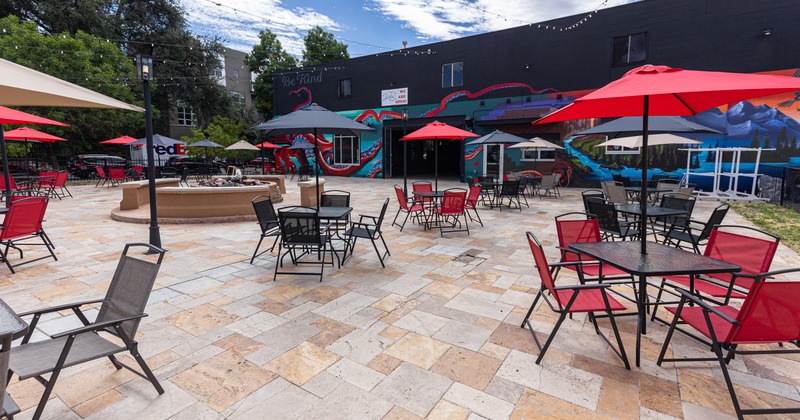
<point>535,143</point>
<point>652,140</point>
<point>22,86</point>
<point>242,145</point>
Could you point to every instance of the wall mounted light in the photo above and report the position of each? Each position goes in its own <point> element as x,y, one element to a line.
<point>767,32</point>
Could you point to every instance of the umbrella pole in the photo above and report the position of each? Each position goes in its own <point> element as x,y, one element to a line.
<point>405,165</point>
<point>436,164</point>
<point>643,191</point>
<point>316,165</point>
<point>6,176</point>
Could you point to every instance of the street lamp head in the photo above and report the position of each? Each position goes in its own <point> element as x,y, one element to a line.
<point>405,114</point>
<point>144,67</point>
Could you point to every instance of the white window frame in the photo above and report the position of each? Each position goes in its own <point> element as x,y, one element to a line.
<point>622,150</point>
<point>184,114</point>
<point>537,155</point>
<point>238,98</point>
<point>354,158</point>
<point>449,74</point>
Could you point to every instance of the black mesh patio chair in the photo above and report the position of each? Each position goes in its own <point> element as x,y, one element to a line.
<point>119,315</point>
<point>524,181</point>
<point>185,177</point>
<point>301,235</point>
<point>267,221</point>
<point>695,232</point>
<point>487,189</point>
<point>586,195</point>
<point>678,202</point>
<point>509,191</point>
<point>371,231</point>
<point>610,224</point>
<point>336,198</point>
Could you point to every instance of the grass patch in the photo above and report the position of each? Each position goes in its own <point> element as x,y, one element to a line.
<point>774,219</point>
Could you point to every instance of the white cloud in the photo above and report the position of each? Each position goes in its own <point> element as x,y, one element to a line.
<point>239,21</point>
<point>447,19</point>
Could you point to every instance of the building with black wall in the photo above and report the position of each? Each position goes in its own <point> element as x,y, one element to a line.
<point>511,77</point>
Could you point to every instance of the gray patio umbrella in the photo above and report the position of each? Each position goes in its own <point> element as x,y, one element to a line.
<point>632,126</point>
<point>498,137</point>
<point>203,143</point>
<point>313,119</point>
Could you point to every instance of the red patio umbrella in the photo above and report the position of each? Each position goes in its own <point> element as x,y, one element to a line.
<point>119,140</point>
<point>267,145</point>
<point>29,134</point>
<point>12,116</point>
<point>666,91</point>
<point>437,131</point>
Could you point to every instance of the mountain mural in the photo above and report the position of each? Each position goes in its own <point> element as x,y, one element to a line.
<point>744,120</point>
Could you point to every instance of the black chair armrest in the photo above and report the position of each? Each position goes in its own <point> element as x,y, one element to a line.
<point>96,326</point>
<point>583,286</point>
<point>59,308</point>
<point>697,301</point>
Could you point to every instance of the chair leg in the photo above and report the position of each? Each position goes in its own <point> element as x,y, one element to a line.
<point>256,251</point>
<point>146,369</point>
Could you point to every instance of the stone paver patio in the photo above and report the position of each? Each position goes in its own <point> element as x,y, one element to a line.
<point>435,334</point>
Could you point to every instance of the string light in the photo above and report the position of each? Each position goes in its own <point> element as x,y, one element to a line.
<point>579,22</point>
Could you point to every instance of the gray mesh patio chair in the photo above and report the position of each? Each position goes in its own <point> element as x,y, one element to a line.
<point>549,185</point>
<point>120,312</point>
<point>615,192</point>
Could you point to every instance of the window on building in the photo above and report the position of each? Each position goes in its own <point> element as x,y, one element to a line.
<point>538,155</point>
<point>186,116</point>
<point>219,72</point>
<point>346,150</point>
<point>345,89</point>
<point>238,98</point>
<point>630,49</point>
<point>235,73</point>
<point>452,75</point>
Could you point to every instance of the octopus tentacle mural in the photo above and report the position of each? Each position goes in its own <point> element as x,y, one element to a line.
<point>443,103</point>
<point>307,102</point>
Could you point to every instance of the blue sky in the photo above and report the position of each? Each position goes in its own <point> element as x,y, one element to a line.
<point>373,26</point>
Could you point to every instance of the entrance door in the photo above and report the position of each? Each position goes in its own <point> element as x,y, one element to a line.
<point>492,160</point>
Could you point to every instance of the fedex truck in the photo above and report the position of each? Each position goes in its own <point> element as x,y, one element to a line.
<point>162,153</point>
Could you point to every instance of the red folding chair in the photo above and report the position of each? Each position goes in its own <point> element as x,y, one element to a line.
<point>770,314</point>
<point>116,175</point>
<point>47,183</point>
<point>585,229</point>
<point>450,211</point>
<point>22,224</point>
<point>413,208</point>
<point>753,253</point>
<point>61,184</point>
<point>472,202</point>
<point>580,298</point>
<point>101,176</point>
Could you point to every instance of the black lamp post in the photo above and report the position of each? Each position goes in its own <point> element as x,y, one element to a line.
<point>405,154</point>
<point>144,72</point>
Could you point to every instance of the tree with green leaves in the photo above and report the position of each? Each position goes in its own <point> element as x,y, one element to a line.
<point>221,130</point>
<point>322,47</point>
<point>182,61</point>
<point>84,60</point>
<point>267,57</point>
